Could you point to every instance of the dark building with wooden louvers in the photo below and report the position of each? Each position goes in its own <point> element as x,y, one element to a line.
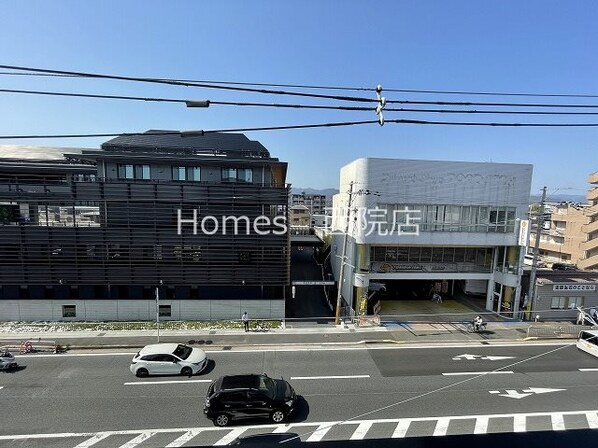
<point>89,234</point>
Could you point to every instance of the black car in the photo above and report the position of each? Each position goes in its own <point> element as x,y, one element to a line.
<point>249,396</point>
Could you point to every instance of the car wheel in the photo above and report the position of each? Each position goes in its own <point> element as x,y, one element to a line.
<point>186,371</point>
<point>222,420</point>
<point>277,416</point>
<point>142,373</point>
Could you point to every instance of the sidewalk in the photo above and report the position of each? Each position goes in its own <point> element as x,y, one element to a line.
<point>320,336</point>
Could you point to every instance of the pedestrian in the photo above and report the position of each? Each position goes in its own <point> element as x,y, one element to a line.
<point>245,319</point>
<point>581,317</point>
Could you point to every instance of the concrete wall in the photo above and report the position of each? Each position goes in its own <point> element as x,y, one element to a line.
<point>139,310</point>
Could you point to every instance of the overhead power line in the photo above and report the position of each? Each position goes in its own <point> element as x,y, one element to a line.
<point>300,126</point>
<point>207,103</point>
<point>186,84</point>
<point>343,88</point>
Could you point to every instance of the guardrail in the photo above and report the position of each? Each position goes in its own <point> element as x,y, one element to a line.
<point>556,331</point>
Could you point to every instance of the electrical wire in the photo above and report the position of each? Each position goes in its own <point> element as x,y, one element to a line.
<point>299,126</point>
<point>187,84</point>
<point>288,105</point>
<point>341,88</point>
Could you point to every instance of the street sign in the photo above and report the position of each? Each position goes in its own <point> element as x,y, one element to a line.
<point>481,357</point>
<point>511,393</point>
<point>312,283</point>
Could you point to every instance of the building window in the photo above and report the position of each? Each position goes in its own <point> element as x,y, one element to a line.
<point>134,172</point>
<point>245,175</point>
<point>179,173</point>
<point>575,302</point>
<point>69,311</point>
<point>558,303</point>
<point>165,311</point>
<point>193,173</point>
<point>229,174</point>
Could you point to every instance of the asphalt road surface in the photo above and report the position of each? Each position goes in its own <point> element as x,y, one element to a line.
<point>78,400</point>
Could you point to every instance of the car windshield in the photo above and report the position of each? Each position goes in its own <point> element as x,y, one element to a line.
<point>183,351</point>
<point>267,385</point>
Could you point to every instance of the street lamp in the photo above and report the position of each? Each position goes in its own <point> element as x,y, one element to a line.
<point>158,308</point>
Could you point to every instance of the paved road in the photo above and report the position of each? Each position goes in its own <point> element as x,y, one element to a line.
<point>75,400</point>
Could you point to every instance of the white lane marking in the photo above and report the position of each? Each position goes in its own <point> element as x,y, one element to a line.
<point>442,425</point>
<point>520,423</point>
<point>592,418</point>
<point>1,387</point>
<point>137,440</point>
<point>401,429</point>
<point>92,441</point>
<point>329,377</point>
<point>361,431</point>
<point>231,436</point>
<point>144,383</point>
<point>481,425</point>
<point>281,429</point>
<point>558,422</point>
<point>589,370</point>
<point>492,372</point>
<point>319,433</point>
<point>180,441</point>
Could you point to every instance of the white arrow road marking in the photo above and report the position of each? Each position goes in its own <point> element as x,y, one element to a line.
<point>541,390</point>
<point>510,393</point>
<point>466,356</point>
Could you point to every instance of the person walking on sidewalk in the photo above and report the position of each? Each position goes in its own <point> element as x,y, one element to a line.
<point>245,319</point>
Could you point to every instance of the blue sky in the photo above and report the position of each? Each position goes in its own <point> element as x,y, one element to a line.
<point>509,45</point>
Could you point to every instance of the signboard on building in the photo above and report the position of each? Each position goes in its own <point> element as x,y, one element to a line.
<point>523,232</point>
<point>574,287</point>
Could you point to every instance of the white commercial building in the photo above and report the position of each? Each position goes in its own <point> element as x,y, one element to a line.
<point>430,224</point>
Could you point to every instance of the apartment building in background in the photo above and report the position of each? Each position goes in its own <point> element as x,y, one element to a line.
<point>315,203</point>
<point>89,234</point>
<point>570,231</point>
<point>590,246</point>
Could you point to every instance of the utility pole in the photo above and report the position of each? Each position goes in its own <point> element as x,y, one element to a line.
<point>158,309</point>
<point>539,224</point>
<point>343,256</point>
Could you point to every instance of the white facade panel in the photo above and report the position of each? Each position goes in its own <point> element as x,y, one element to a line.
<point>139,310</point>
